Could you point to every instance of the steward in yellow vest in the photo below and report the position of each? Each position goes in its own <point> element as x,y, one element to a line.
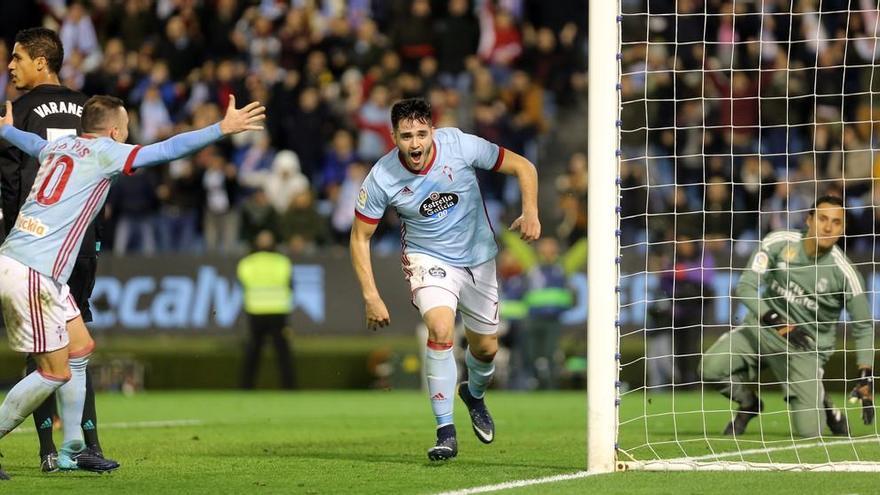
<point>265,276</point>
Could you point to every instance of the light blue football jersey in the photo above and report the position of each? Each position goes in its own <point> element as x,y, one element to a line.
<point>71,186</point>
<point>440,206</point>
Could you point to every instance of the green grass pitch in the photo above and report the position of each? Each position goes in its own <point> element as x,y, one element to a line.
<point>375,442</point>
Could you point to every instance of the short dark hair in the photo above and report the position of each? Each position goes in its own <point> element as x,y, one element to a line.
<point>828,198</point>
<point>415,109</point>
<point>42,42</point>
<point>97,111</point>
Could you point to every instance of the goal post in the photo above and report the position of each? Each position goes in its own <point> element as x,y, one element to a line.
<point>714,126</point>
<point>603,245</point>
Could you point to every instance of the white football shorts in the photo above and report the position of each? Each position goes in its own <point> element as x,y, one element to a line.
<point>36,308</point>
<point>472,291</point>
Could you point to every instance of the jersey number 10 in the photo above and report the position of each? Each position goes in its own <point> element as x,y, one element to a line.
<point>60,170</point>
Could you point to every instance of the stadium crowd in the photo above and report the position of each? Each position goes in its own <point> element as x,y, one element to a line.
<point>328,72</point>
<point>740,114</point>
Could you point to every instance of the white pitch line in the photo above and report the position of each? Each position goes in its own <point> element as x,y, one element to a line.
<point>520,483</point>
<point>135,424</point>
<point>767,450</point>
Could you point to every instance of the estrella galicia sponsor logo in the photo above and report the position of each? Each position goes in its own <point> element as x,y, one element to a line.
<point>437,272</point>
<point>438,204</point>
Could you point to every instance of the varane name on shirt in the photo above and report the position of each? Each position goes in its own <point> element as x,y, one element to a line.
<point>58,107</point>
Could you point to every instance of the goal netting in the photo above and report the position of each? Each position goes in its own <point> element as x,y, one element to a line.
<point>733,117</point>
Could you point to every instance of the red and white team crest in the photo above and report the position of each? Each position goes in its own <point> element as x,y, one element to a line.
<point>447,172</point>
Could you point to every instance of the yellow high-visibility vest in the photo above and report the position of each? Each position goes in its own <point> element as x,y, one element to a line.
<point>265,277</point>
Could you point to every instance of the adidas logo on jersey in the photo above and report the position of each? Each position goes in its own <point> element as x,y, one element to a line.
<point>406,191</point>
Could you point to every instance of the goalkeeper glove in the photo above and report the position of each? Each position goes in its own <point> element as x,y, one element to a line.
<point>864,391</point>
<point>795,335</point>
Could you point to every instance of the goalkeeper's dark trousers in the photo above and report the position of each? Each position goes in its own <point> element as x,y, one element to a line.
<point>733,362</point>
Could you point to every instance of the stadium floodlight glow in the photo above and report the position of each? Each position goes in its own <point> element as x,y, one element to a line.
<point>711,136</point>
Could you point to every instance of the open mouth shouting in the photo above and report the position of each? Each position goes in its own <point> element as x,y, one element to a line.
<point>416,156</point>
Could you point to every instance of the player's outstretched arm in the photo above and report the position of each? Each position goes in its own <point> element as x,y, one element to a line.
<point>236,120</point>
<point>527,224</point>
<point>28,142</point>
<point>359,245</point>
<point>247,118</point>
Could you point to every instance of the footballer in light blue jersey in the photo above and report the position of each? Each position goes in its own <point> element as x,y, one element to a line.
<point>71,185</point>
<point>448,253</point>
<point>37,257</point>
<point>440,205</point>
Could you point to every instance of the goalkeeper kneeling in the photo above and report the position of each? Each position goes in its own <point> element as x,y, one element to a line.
<point>795,287</point>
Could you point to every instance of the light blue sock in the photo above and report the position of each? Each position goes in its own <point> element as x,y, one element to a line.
<point>24,397</point>
<point>442,373</point>
<point>73,397</point>
<point>479,374</point>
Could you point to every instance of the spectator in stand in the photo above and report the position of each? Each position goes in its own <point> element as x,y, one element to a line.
<point>253,157</point>
<point>546,61</point>
<point>683,307</point>
<point>155,119</point>
<point>500,40</point>
<point>572,188</point>
<point>179,196</point>
<point>413,35</point>
<point>182,52</point>
<point>754,181</point>
<point>285,181</point>
<point>368,46</point>
<point>316,71</point>
<point>160,79</point>
<point>295,35</point>
<point>258,215</point>
<point>113,77</point>
<point>718,208</point>
<point>306,129</point>
<point>78,37</point>
<point>337,43</point>
<point>525,100</point>
<point>372,121</point>
<point>134,22</point>
<point>133,206</point>
<point>263,43</point>
<point>457,36</point>
<point>220,218</point>
<point>336,164</point>
<point>218,28</point>
<point>343,207</point>
<point>302,228</point>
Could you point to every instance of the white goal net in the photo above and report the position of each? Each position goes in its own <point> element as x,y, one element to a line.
<point>734,118</point>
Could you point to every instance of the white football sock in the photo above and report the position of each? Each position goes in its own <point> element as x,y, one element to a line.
<point>24,397</point>
<point>73,396</point>
<point>479,374</point>
<point>442,373</point>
